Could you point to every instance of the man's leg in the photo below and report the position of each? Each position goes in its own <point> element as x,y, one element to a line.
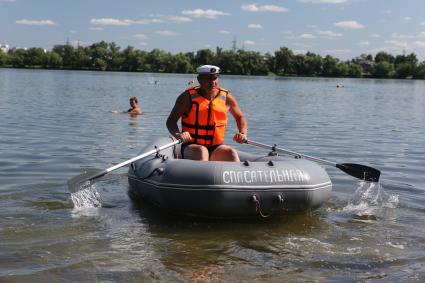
<point>224,153</point>
<point>196,152</point>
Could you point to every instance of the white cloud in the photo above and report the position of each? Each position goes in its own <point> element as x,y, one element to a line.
<point>323,1</point>
<point>407,19</point>
<point>329,33</point>
<point>249,42</point>
<point>111,22</point>
<point>312,26</point>
<point>73,31</point>
<point>143,43</point>
<point>149,21</point>
<point>375,35</point>
<point>422,23</point>
<point>200,13</point>
<point>140,36</point>
<point>422,34</point>
<point>123,22</point>
<point>166,33</point>
<point>420,44</point>
<point>388,12</point>
<point>307,36</point>
<point>255,26</point>
<point>363,43</point>
<point>401,36</point>
<point>349,24</point>
<point>179,19</point>
<point>224,32</point>
<point>338,51</point>
<point>96,28</point>
<point>263,8</point>
<point>36,22</point>
<point>397,43</point>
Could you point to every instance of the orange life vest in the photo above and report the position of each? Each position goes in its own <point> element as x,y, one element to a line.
<point>207,119</point>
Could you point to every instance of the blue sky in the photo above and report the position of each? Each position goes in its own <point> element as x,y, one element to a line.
<point>341,28</point>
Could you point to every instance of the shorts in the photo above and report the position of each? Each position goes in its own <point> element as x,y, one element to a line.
<point>184,145</point>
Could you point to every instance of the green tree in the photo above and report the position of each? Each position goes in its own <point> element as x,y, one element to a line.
<point>114,58</point>
<point>67,54</point>
<point>98,55</point>
<point>3,58</point>
<point>330,66</point>
<point>383,56</point>
<point>283,61</point>
<point>383,70</point>
<point>228,62</point>
<point>17,58</point>
<point>35,57</point>
<point>130,60</point>
<point>55,60</point>
<point>182,64</point>
<point>420,71</point>
<point>81,58</point>
<point>404,70</point>
<point>354,70</point>
<point>204,56</point>
<point>100,64</point>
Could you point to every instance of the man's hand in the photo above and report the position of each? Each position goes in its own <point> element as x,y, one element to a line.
<point>185,136</point>
<point>240,137</point>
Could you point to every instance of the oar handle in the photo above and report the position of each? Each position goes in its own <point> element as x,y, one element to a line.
<point>293,153</point>
<point>156,150</point>
<point>356,170</point>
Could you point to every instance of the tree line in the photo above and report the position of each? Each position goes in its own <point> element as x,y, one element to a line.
<point>283,62</point>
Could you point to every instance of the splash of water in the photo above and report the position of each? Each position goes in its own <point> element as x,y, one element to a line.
<point>88,197</point>
<point>369,197</point>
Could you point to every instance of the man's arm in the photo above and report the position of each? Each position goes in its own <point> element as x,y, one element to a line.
<point>180,107</point>
<point>240,119</point>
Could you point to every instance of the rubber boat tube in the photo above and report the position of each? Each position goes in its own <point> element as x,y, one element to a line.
<point>264,186</point>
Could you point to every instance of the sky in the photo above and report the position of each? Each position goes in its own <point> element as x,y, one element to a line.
<point>342,28</point>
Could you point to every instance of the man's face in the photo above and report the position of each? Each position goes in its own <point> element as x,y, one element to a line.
<point>208,81</point>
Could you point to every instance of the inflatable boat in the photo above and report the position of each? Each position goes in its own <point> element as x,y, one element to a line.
<point>258,186</point>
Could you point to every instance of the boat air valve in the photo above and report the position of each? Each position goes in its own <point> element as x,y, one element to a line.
<point>246,163</point>
<point>159,170</point>
<point>254,198</point>
<point>270,163</point>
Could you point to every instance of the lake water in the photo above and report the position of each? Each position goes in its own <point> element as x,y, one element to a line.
<point>53,124</point>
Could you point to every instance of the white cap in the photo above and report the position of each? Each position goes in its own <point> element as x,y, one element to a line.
<point>208,70</point>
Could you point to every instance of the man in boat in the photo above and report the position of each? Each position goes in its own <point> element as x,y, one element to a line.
<point>203,113</point>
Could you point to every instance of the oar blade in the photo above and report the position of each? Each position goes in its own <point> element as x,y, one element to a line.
<point>360,171</point>
<point>85,180</point>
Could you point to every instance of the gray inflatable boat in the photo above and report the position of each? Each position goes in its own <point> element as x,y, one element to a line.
<point>258,186</point>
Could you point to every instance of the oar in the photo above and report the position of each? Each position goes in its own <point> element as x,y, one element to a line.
<point>85,180</point>
<point>356,170</point>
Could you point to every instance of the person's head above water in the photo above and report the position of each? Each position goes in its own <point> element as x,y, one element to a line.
<point>133,101</point>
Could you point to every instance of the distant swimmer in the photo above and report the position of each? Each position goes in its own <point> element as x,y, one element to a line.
<point>156,82</point>
<point>134,110</point>
<point>339,85</point>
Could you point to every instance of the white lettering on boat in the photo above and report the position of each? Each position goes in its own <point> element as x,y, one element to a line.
<point>265,176</point>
